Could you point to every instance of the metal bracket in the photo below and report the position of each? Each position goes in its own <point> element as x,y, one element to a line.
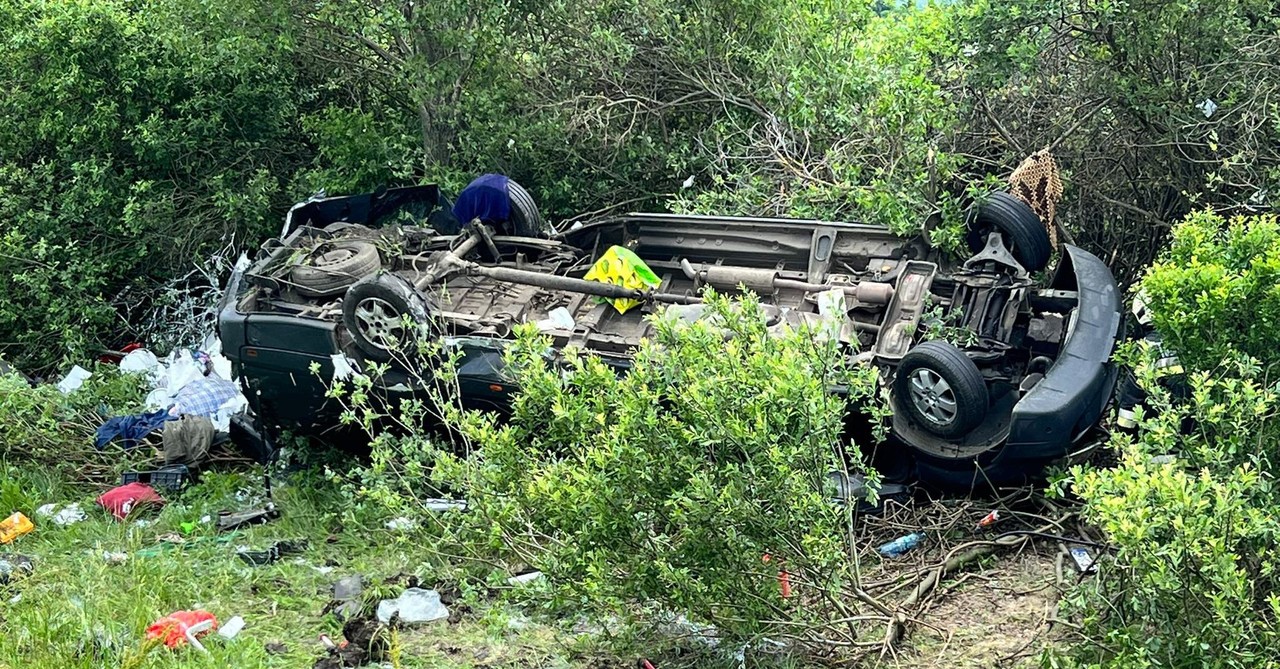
<point>996,252</point>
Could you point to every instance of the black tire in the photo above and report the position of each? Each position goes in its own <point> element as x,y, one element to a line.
<point>941,389</point>
<point>345,227</point>
<point>526,220</point>
<point>333,266</point>
<point>1024,233</point>
<point>373,312</point>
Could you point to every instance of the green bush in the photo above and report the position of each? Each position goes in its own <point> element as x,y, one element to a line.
<point>662,489</point>
<point>1190,508</point>
<point>1194,572</point>
<point>131,140</point>
<point>41,427</point>
<point>1216,289</point>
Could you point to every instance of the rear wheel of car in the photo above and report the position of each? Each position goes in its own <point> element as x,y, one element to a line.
<point>941,389</point>
<point>1021,228</point>
<point>526,220</point>
<point>374,312</point>
<point>332,266</point>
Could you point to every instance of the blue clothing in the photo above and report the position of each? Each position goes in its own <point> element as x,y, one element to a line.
<point>484,198</point>
<point>130,429</point>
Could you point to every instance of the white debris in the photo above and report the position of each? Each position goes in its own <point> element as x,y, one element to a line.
<point>191,632</point>
<point>557,319</point>
<point>74,379</point>
<point>1207,107</point>
<point>415,605</point>
<point>434,504</point>
<point>179,369</point>
<point>69,514</point>
<point>403,524</point>
<point>141,361</point>
<point>688,183</point>
<point>1086,563</point>
<point>342,367</point>
<point>231,628</point>
<point>221,418</point>
<point>524,578</point>
<point>114,557</point>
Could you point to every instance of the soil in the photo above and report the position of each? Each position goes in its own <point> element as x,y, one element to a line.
<point>993,615</point>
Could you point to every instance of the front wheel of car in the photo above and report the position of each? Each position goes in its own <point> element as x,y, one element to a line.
<point>382,312</point>
<point>941,389</point>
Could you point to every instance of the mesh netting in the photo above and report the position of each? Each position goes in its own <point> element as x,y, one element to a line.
<point>1037,183</point>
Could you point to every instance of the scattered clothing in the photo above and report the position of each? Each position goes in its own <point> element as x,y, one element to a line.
<point>203,397</point>
<point>122,500</point>
<point>484,198</point>
<point>187,440</point>
<point>130,429</point>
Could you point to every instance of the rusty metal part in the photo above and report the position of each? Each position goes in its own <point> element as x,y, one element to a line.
<point>767,280</point>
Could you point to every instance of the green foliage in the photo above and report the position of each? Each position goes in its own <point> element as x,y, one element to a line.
<point>660,489</point>
<point>1218,289</point>
<point>668,485</point>
<point>42,427</point>
<point>130,140</point>
<point>1192,579</point>
<point>1193,575</point>
<point>1152,107</point>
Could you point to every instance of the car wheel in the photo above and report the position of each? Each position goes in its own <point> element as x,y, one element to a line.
<point>941,389</point>
<point>332,266</point>
<point>526,220</point>
<point>374,311</point>
<point>1023,231</point>
<point>345,227</point>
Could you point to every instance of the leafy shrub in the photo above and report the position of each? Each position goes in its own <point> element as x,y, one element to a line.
<point>132,138</point>
<point>685,484</point>
<point>1217,289</point>
<point>1192,578</point>
<point>42,427</point>
<point>1152,107</point>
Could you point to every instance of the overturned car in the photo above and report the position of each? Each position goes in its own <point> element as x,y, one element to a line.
<point>992,372</point>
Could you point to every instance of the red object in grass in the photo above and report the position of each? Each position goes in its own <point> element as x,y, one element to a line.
<point>646,664</point>
<point>123,499</point>
<point>172,629</point>
<point>114,358</point>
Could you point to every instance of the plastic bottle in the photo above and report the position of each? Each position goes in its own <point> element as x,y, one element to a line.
<point>14,526</point>
<point>901,545</point>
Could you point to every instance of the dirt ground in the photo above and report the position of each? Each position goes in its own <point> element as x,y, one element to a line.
<point>994,615</point>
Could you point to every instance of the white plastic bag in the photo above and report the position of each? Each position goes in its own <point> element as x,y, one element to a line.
<point>74,379</point>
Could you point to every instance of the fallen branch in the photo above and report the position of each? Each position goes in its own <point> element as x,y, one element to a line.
<point>955,560</point>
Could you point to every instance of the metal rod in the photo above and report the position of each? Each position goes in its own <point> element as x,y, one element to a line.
<point>570,284</point>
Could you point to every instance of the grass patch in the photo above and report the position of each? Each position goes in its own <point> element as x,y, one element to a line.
<point>77,611</point>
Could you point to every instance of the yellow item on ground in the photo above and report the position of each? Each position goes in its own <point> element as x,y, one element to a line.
<point>622,267</point>
<point>14,526</point>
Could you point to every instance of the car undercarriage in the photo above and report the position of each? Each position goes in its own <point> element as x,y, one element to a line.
<point>994,366</point>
